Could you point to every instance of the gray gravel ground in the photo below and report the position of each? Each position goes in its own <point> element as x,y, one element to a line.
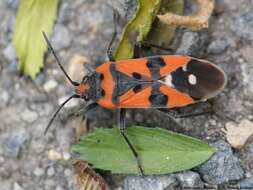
<point>29,160</point>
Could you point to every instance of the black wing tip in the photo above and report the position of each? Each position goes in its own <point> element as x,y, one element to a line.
<point>212,78</point>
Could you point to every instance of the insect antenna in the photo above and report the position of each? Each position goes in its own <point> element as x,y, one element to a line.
<point>58,61</point>
<point>57,111</point>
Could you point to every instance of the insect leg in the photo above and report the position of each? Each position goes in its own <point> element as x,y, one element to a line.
<point>109,49</point>
<point>139,45</point>
<point>57,111</point>
<point>90,106</point>
<point>209,110</point>
<point>194,114</point>
<point>121,124</point>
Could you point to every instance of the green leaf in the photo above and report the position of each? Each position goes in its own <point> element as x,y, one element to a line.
<point>137,28</point>
<point>161,34</point>
<point>34,16</point>
<point>160,151</point>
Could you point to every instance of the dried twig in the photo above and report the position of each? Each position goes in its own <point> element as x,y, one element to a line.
<point>194,22</point>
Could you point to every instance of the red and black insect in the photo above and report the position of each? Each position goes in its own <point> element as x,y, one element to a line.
<point>164,81</point>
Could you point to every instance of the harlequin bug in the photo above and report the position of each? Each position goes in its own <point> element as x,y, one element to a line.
<point>164,81</point>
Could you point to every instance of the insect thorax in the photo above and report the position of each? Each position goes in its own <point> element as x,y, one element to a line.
<point>94,82</point>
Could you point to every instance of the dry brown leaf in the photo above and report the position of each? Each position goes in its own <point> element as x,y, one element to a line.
<point>194,22</point>
<point>87,178</point>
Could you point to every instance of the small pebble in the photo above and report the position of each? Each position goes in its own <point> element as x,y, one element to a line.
<point>67,172</point>
<point>13,143</point>
<point>66,155</point>
<point>53,155</point>
<point>59,188</point>
<point>16,186</point>
<point>29,116</point>
<point>190,180</point>
<point>50,184</point>
<point>4,98</point>
<point>217,46</point>
<point>238,135</point>
<point>17,86</point>
<point>50,85</point>
<point>241,60</point>
<point>2,159</point>
<point>39,172</point>
<point>248,175</point>
<point>213,122</point>
<point>50,172</point>
<point>10,53</point>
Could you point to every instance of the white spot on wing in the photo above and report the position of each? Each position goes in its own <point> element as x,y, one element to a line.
<point>168,81</point>
<point>192,79</point>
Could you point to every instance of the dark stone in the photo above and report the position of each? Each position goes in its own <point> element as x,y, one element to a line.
<point>246,183</point>
<point>150,182</point>
<point>14,143</point>
<point>189,180</point>
<point>193,43</point>
<point>222,167</point>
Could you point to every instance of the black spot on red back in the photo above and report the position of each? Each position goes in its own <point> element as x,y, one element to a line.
<point>154,65</point>
<point>137,88</point>
<point>158,99</point>
<point>136,75</point>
